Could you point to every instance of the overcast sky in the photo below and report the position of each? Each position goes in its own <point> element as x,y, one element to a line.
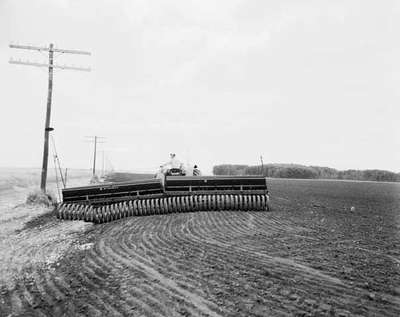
<point>309,82</point>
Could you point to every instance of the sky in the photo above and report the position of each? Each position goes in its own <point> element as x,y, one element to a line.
<point>308,82</point>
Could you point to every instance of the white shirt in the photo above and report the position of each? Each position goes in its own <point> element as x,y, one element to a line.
<point>173,163</point>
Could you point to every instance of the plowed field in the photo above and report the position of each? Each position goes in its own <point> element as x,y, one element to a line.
<point>310,256</point>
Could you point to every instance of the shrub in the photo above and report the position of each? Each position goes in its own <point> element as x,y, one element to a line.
<point>39,198</point>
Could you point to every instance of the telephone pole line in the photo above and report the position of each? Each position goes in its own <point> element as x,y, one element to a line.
<point>47,124</point>
<point>95,139</point>
<point>50,65</point>
<point>262,165</point>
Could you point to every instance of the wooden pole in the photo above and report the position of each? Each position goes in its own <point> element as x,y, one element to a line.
<point>94,158</point>
<point>262,165</point>
<point>47,123</point>
<point>102,167</point>
<point>96,140</point>
<point>51,67</point>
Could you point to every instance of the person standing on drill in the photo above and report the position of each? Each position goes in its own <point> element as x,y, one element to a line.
<point>196,171</point>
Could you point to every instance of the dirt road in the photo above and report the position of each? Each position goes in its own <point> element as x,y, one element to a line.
<point>310,256</point>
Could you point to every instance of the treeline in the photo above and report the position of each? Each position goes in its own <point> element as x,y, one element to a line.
<point>306,172</point>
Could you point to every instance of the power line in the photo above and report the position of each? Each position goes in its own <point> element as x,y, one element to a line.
<point>55,170</point>
<point>20,62</point>
<point>57,161</point>
<point>48,49</point>
<point>51,66</point>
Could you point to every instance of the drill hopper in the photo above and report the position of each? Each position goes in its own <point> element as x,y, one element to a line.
<point>107,202</point>
<point>108,193</point>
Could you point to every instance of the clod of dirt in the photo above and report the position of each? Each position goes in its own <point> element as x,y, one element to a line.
<point>40,198</point>
<point>85,246</point>
<point>326,307</point>
<point>396,290</point>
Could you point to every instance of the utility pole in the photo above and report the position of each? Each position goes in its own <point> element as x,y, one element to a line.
<point>94,156</point>
<point>47,123</point>
<point>262,165</point>
<point>102,165</point>
<point>50,65</point>
<point>95,139</point>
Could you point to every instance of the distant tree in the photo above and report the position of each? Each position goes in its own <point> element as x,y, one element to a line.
<point>380,175</point>
<point>306,172</point>
<point>325,172</point>
<point>229,169</point>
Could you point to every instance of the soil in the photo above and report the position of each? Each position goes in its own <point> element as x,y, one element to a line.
<point>313,255</point>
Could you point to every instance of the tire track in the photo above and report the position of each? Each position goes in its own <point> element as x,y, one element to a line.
<point>181,227</point>
<point>139,262</point>
<point>113,262</point>
<point>222,241</point>
<point>221,263</point>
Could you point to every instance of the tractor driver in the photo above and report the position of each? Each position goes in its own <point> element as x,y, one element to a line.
<point>172,163</point>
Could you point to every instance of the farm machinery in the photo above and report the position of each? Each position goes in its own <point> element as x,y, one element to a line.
<point>171,193</point>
